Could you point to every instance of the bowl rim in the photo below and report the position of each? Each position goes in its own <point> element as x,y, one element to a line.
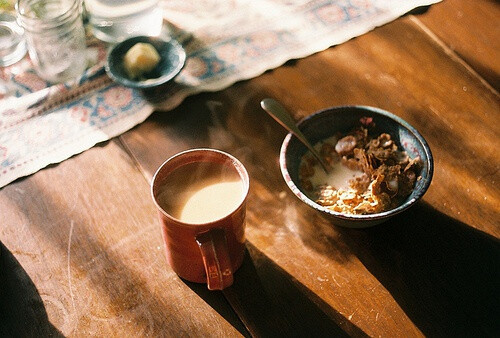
<point>366,217</point>
<point>148,83</point>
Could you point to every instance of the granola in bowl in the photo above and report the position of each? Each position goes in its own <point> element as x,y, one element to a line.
<point>368,174</point>
<point>370,184</point>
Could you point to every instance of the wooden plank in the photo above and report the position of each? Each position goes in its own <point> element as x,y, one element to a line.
<point>270,304</point>
<point>88,259</point>
<point>471,30</point>
<point>407,277</point>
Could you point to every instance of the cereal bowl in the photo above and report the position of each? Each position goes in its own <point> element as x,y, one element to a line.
<point>326,123</point>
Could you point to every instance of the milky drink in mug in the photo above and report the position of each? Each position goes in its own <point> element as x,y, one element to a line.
<point>115,20</point>
<point>201,193</point>
<point>201,198</point>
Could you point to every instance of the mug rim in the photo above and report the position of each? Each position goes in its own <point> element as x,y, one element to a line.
<point>239,167</point>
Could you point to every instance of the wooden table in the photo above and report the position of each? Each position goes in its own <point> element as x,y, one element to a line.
<point>82,252</point>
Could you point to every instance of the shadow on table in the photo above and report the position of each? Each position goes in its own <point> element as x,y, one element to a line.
<point>419,10</point>
<point>22,312</point>
<point>217,301</point>
<point>443,273</point>
<point>270,303</point>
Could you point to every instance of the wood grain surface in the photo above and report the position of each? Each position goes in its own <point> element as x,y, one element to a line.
<point>86,233</point>
<point>470,30</point>
<point>81,248</point>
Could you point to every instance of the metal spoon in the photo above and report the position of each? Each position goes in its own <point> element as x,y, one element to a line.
<point>279,113</point>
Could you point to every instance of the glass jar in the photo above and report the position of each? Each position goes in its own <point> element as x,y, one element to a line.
<point>12,44</point>
<point>55,37</point>
<point>114,21</point>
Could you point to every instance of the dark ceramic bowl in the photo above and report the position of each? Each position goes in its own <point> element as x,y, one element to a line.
<point>327,123</point>
<point>173,58</point>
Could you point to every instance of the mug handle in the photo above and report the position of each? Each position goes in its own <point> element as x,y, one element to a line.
<point>213,248</point>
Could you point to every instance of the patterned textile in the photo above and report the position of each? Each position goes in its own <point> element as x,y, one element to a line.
<point>226,41</point>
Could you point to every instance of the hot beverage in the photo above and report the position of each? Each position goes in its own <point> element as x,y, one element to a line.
<point>201,192</point>
<point>201,199</point>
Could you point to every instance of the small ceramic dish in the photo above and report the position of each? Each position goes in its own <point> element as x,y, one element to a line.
<point>173,58</point>
<point>327,123</point>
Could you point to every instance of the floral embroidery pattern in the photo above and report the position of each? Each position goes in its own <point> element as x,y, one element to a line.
<point>118,97</point>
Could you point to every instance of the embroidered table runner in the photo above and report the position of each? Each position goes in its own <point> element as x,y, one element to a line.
<point>226,41</point>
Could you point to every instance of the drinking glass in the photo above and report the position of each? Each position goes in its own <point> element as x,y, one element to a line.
<point>115,20</point>
<point>12,44</point>
<point>55,36</point>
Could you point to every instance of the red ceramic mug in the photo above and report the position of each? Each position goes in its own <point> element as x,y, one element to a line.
<point>201,199</point>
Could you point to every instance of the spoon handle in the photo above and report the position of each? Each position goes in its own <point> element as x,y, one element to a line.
<point>279,113</point>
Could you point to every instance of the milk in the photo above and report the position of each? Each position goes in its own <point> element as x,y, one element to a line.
<point>115,20</point>
<point>338,177</point>
<point>208,201</point>
<point>202,192</point>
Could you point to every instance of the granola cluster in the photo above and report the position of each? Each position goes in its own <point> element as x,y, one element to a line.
<point>387,175</point>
